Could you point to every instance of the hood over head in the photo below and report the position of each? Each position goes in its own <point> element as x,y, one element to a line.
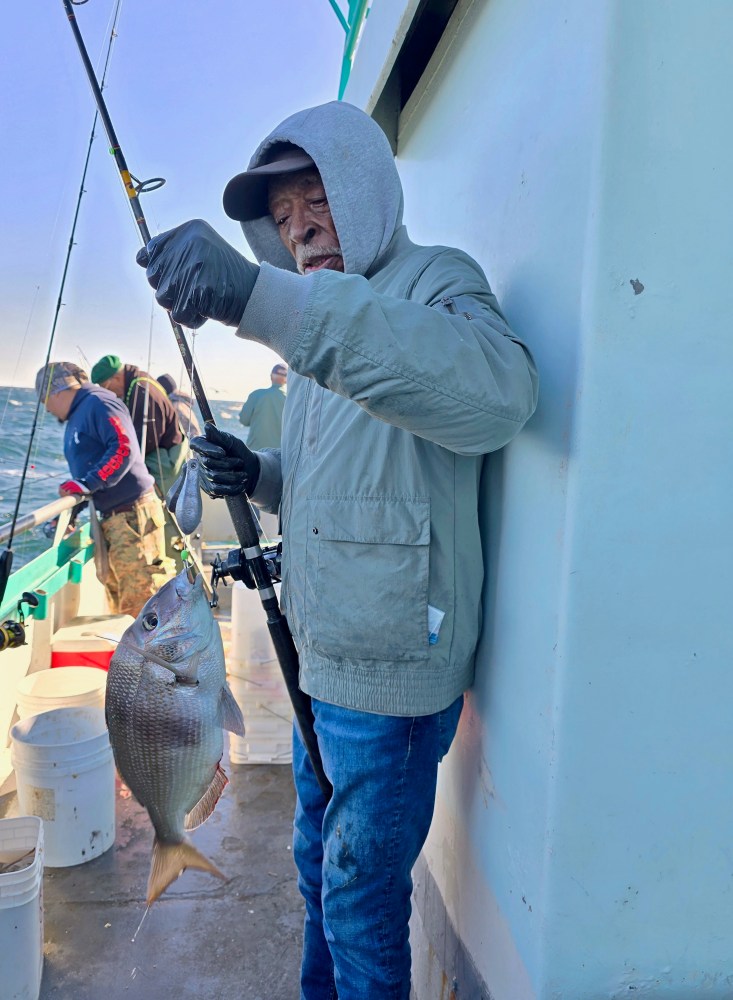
<point>355,161</point>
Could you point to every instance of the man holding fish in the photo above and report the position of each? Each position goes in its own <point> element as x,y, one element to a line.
<point>403,375</point>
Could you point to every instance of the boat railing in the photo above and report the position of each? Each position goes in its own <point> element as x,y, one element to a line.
<point>61,563</point>
<point>39,516</point>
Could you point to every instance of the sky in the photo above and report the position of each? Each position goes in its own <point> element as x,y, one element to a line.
<point>192,88</point>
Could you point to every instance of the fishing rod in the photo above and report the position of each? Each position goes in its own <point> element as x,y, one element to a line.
<point>6,557</point>
<point>257,567</point>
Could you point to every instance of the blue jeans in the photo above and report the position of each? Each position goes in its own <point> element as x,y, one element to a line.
<point>355,854</point>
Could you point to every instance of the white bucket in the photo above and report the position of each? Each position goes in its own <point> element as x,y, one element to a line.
<point>268,721</point>
<point>21,908</point>
<point>252,650</point>
<point>65,773</point>
<point>62,687</point>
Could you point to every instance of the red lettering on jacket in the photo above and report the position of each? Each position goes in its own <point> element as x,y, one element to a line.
<point>123,450</point>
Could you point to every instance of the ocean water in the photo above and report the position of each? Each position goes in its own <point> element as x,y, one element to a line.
<point>47,467</point>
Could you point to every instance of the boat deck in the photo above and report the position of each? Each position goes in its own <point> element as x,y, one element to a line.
<point>204,938</point>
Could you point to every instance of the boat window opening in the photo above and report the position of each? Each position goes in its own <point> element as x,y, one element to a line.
<point>425,32</point>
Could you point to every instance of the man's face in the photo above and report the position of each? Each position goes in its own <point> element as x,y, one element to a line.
<point>59,404</point>
<point>299,206</point>
<point>115,383</point>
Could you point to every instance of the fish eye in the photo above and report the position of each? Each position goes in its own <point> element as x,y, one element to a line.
<point>150,621</point>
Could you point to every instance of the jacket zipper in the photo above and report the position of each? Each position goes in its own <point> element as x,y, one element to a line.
<point>296,463</point>
<point>448,304</point>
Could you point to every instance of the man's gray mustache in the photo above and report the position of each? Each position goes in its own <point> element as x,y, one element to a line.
<point>304,254</point>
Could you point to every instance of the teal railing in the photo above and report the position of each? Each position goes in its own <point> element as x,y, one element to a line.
<point>47,574</point>
<point>358,11</point>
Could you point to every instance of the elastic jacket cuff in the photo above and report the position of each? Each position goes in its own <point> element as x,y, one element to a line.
<point>274,313</point>
<point>91,481</point>
<point>268,490</point>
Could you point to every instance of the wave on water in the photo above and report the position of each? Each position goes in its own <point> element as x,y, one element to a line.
<point>32,473</point>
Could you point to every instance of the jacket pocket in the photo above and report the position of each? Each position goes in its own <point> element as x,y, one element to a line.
<point>367,577</point>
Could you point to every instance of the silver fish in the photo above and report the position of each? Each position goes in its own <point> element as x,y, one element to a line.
<point>184,498</point>
<point>167,703</point>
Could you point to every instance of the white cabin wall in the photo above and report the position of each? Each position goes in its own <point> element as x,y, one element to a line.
<point>641,865</point>
<point>498,158</point>
<point>579,151</point>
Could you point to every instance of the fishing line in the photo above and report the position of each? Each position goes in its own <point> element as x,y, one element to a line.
<point>146,400</point>
<point>194,334</point>
<point>6,558</point>
<point>147,908</point>
<point>50,241</point>
<point>82,356</point>
<point>20,355</point>
<point>157,458</point>
<point>182,375</point>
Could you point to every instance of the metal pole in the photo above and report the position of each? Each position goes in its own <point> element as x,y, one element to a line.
<point>39,516</point>
<point>241,515</point>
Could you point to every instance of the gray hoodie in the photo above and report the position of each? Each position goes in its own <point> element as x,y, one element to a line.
<point>358,171</point>
<point>403,375</point>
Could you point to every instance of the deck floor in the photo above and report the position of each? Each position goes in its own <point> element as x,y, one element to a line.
<point>204,938</point>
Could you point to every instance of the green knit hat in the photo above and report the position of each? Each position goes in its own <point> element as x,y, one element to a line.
<point>105,368</point>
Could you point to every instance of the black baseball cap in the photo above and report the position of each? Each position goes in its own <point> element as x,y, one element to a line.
<point>245,196</point>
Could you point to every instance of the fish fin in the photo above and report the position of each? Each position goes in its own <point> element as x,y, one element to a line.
<point>207,803</point>
<point>190,674</point>
<point>167,664</point>
<point>231,713</point>
<point>171,860</point>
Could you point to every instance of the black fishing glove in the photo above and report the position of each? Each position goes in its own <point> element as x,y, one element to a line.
<point>198,275</point>
<point>227,468</point>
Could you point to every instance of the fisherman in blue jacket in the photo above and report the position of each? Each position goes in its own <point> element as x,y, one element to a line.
<point>104,458</point>
<point>403,375</point>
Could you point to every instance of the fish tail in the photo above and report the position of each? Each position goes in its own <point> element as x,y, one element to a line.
<point>171,860</point>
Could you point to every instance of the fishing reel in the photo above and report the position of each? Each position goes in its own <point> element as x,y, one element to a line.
<point>12,632</point>
<point>235,566</point>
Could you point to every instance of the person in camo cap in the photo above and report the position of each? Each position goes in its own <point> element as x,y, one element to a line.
<point>106,464</point>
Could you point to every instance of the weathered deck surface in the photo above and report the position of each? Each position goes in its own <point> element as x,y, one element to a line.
<point>203,939</point>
